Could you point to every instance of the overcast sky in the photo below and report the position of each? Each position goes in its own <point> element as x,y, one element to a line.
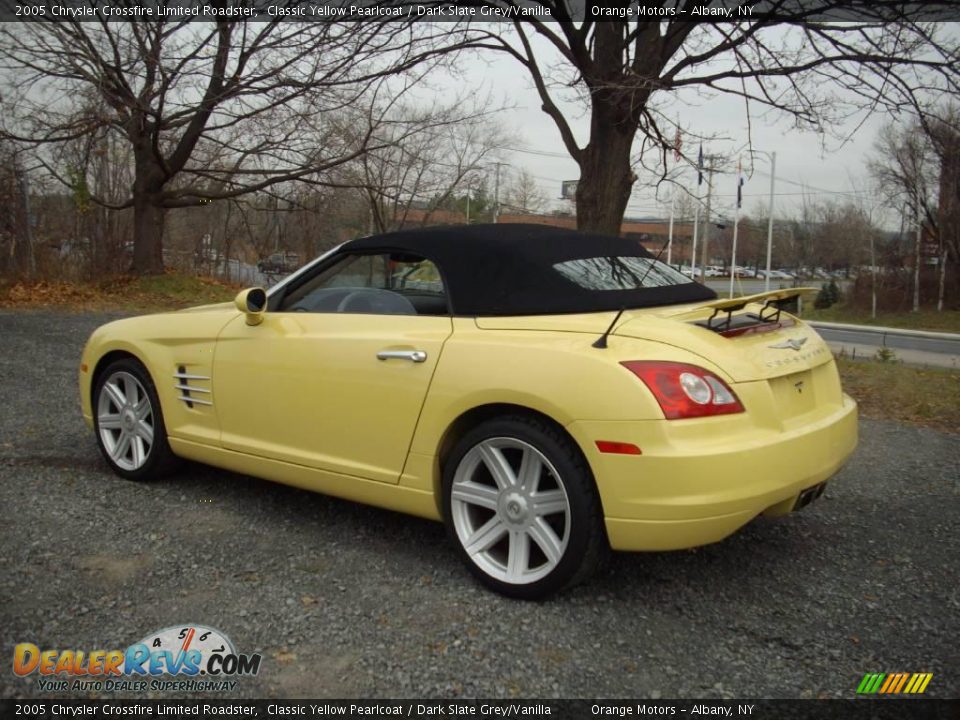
<point>808,164</point>
<point>828,168</point>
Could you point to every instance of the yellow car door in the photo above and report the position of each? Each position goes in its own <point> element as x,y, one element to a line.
<point>335,377</point>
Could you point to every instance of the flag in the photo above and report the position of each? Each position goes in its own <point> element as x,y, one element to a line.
<point>740,182</point>
<point>677,144</point>
<point>700,166</point>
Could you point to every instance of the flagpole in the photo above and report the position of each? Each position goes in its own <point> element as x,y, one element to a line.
<point>733,259</point>
<point>736,223</point>
<point>705,253</point>
<point>696,215</point>
<point>670,231</point>
<point>677,144</point>
<point>773,174</point>
<point>693,251</point>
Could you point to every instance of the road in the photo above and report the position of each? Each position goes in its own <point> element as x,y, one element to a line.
<point>345,600</point>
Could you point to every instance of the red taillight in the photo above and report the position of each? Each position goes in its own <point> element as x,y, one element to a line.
<point>685,391</point>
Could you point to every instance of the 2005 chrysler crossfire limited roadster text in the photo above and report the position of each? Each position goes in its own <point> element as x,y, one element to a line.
<point>548,394</point>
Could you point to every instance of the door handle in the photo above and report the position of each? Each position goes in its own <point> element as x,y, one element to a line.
<point>417,356</point>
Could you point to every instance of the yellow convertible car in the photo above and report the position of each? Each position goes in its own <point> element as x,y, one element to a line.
<point>547,394</point>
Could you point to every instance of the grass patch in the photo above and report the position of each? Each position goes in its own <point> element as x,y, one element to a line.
<point>152,293</point>
<point>925,319</point>
<point>890,391</point>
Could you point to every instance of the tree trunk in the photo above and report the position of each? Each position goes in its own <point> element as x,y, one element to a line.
<point>23,253</point>
<point>148,220</point>
<point>606,178</point>
<point>148,216</point>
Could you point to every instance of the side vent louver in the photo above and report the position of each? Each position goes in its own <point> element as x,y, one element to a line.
<point>193,389</point>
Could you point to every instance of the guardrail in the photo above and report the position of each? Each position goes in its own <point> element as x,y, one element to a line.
<point>897,338</point>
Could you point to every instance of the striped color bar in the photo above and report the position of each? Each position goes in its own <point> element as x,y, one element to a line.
<point>894,683</point>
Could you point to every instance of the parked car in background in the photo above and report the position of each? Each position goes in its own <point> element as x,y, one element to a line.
<point>810,272</point>
<point>774,275</point>
<point>547,394</point>
<point>279,262</point>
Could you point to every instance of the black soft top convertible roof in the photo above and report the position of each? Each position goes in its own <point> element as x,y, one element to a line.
<point>509,269</point>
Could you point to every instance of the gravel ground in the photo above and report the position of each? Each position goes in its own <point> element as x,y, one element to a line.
<point>344,600</point>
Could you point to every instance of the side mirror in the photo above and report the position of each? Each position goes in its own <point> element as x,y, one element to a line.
<point>252,302</point>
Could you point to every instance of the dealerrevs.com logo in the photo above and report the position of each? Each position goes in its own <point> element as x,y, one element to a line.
<point>200,659</point>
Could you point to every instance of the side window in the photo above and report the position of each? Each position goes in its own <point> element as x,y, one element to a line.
<point>379,284</point>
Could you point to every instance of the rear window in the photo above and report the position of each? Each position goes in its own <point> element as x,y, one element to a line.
<point>620,273</point>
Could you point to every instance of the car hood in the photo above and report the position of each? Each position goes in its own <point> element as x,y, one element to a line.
<point>206,308</point>
<point>745,358</point>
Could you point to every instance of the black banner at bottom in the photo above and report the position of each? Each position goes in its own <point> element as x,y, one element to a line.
<point>859,709</point>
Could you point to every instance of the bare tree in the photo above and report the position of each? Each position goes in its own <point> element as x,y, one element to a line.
<point>10,218</point>
<point>786,60</point>
<point>916,167</point>
<point>524,194</point>
<point>209,110</point>
<point>905,168</point>
<point>424,156</point>
<point>842,239</point>
<point>800,244</point>
<point>99,164</point>
<point>943,129</point>
<point>18,242</point>
<point>321,217</point>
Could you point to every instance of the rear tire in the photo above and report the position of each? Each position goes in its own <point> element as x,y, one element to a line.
<point>521,506</point>
<point>129,423</point>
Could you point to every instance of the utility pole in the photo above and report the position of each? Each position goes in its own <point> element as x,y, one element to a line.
<point>916,260</point>
<point>943,277</point>
<point>873,277</point>
<point>276,223</point>
<point>496,193</point>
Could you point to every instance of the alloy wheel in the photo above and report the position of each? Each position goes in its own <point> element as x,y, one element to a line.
<point>125,421</point>
<point>510,510</point>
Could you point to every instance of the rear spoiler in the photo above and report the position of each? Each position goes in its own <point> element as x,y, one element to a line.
<point>769,297</point>
<point>769,313</point>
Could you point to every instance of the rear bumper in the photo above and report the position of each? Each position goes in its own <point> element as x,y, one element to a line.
<point>697,485</point>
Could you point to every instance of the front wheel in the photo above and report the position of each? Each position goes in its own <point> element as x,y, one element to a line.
<point>129,423</point>
<point>521,505</point>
